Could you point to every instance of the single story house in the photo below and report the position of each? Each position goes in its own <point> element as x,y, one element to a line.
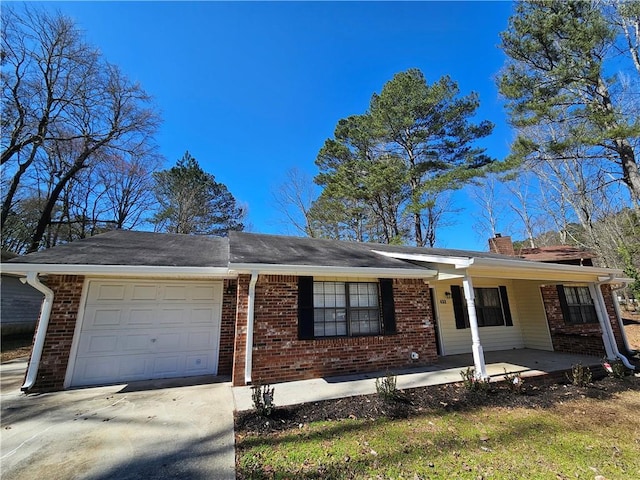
<point>19,303</point>
<point>125,306</point>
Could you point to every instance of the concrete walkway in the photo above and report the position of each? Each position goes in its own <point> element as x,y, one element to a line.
<point>526,361</point>
<point>181,428</point>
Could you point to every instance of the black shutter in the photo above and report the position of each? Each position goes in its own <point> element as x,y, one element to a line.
<point>458,307</point>
<point>305,308</point>
<point>508,321</point>
<point>564,306</point>
<point>388,306</point>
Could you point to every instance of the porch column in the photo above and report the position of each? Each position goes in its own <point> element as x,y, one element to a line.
<point>476,348</point>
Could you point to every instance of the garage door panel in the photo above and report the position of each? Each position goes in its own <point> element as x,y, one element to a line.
<point>102,344</point>
<point>167,365</point>
<point>133,368</point>
<point>197,364</point>
<point>200,340</point>
<point>144,292</point>
<point>172,315</point>
<point>207,293</point>
<point>105,317</point>
<point>175,292</point>
<point>203,315</point>
<point>135,343</point>
<point>143,329</point>
<point>139,317</point>
<point>108,292</point>
<point>169,342</point>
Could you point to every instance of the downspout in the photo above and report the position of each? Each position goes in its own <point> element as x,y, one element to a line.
<point>38,344</point>
<point>616,306</point>
<point>248,354</point>
<point>605,323</point>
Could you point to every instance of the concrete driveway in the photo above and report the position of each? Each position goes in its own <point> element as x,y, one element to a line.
<point>152,430</point>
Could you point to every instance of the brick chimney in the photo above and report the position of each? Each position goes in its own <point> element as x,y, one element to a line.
<point>502,245</point>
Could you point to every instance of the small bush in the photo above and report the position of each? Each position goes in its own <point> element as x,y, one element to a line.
<point>514,382</point>
<point>580,375</point>
<point>386,387</point>
<point>262,397</point>
<point>615,368</point>
<point>471,382</point>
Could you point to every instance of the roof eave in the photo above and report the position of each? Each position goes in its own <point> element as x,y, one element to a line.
<point>320,270</point>
<point>543,271</point>
<point>116,270</point>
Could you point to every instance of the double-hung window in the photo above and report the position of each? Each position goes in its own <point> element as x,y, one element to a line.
<point>346,309</point>
<point>488,307</point>
<point>492,307</point>
<point>577,305</point>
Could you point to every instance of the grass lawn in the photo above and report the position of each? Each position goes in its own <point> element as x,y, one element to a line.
<point>581,438</point>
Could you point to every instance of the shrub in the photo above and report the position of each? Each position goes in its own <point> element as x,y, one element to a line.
<point>262,397</point>
<point>386,387</point>
<point>615,368</point>
<point>514,382</point>
<point>580,375</point>
<point>473,383</point>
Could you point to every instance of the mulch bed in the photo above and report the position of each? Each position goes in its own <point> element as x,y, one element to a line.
<point>418,401</point>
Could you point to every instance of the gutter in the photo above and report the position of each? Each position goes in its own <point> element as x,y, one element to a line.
<point>116,270</point>
<point>248,353</point>
<point>613,275</point>
<point>606,325</point>
<point>38,344</point>
<point>319,270</point>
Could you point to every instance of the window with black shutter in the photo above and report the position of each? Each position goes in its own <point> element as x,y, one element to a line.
<point>492,307</point>
<point>345,309</point>
<point>577,305</point>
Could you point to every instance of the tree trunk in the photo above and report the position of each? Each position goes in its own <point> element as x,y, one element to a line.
<point>6,205</point>
<point>630,172</point>
<point>45,217</point>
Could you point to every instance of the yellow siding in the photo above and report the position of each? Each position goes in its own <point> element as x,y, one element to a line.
<point>455,341</point>
<point>533,321</point>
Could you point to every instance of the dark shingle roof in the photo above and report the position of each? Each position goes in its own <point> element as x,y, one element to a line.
<point>129,248</point>
<point>124,247</point>
<point>254,248</point>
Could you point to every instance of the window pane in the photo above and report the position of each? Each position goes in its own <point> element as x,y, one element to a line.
<point>584,295</point>
<point>580,305</point>
<point>488,307</point>
<point>572,295</point>
<point>363,294</point>
<point>331,316</point>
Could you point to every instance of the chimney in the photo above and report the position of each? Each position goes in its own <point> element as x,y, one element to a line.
<point>502,245</point>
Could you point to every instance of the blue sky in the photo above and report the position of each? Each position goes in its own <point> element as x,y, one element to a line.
<point>254,89</point>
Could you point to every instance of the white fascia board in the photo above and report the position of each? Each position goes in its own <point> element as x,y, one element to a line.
<point>457,262</point>
<point>116,270</point>
<point>556,269</point>
<point>307,270</point>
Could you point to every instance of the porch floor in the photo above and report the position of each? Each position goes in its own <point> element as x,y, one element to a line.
<point>527,361</point>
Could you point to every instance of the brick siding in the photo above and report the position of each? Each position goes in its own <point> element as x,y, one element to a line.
<point>227,327</point>
<point>607,294</point>
<point>279,356</point>
<point>242,304</point>
<point>67,290</point>
<point>584,339</point>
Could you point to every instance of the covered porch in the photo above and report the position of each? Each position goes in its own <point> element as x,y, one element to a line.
<point>528,362</point>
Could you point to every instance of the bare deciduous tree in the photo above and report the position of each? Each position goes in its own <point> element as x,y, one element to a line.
<point>65,109</point>
<point>294,198</point>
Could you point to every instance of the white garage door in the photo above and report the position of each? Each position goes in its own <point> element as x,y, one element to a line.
<point>139,330</point>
